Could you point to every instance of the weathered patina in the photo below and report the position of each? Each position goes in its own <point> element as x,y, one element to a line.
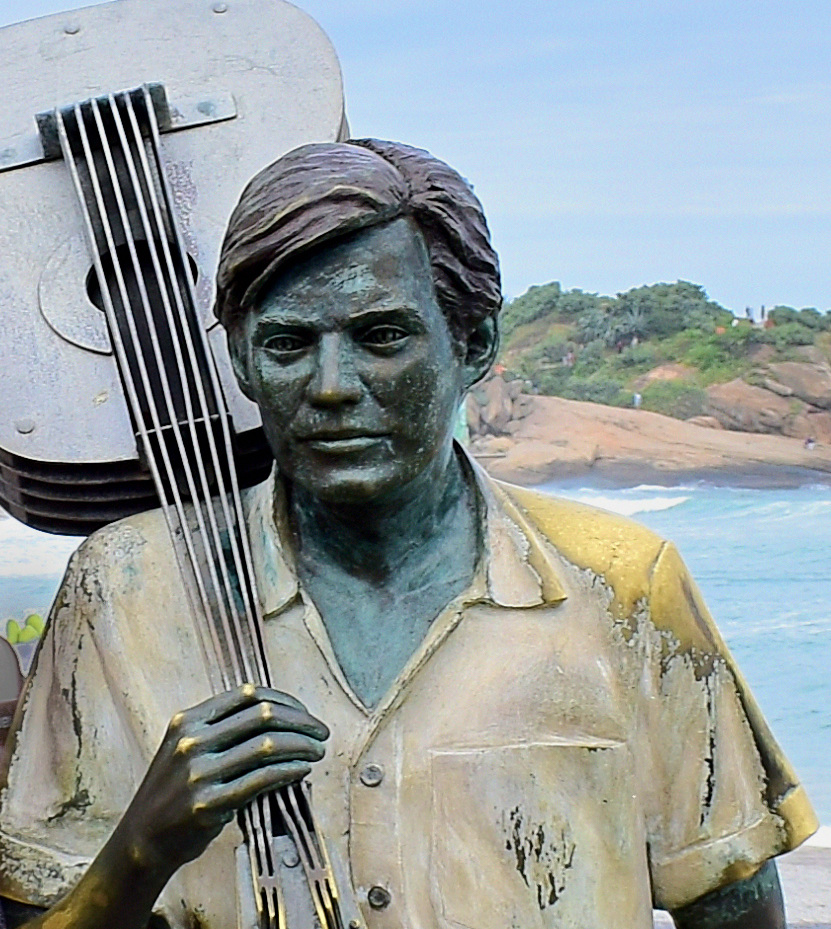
<point>529,716</point>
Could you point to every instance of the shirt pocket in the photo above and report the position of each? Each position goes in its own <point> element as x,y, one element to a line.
<point>540,835</point>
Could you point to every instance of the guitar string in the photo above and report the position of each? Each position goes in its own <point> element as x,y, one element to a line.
<point>248,590</point>
<point>128,232</point>
<point>266,849</point>
<point>291,811</point>
<point>199,501</point>
<point>130,386</point>
<point>312,863</point>
<point>272,903</point>
<point>119,346</point>
<point>258,837</point>
<point>297,788</point>
<point>160,367</point>
<point>318,878</point>
<point>245,561</point>
<point>264,810</point>
<point>270,895</point>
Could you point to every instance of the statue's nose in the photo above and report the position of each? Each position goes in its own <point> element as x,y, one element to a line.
<point>335,379</point>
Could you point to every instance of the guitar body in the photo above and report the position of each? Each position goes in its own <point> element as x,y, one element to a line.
<point>244,82</point>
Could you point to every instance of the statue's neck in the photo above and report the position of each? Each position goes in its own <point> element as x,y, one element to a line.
<point>376,538</point>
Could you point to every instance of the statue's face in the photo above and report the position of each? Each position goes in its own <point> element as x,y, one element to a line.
<point>352,364</point>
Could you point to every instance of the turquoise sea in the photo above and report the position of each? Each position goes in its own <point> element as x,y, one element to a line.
<point>761,558</point>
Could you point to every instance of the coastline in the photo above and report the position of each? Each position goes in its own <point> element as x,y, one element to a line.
<point>567,440</point>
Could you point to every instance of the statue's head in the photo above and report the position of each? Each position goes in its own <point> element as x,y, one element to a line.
<point>360,293</point>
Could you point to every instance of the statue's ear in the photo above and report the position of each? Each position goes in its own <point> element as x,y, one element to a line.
<point>239,354</point>
<point>481,349</point>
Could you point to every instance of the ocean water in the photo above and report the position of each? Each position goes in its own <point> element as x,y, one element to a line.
<point>762,559</point>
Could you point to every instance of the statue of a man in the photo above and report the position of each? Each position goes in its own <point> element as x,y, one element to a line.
<point>513,710</point>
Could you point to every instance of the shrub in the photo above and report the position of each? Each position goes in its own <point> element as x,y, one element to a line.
<point>783,314</point>
<point>548,379</point>
<point>641,355</point>
<point>596,390</point>
<point>539,300</point>
<point>675,398</point>
<point>590,356</point>
<point>790,333</point>
<point>554,347</point>
<point>813,319</point>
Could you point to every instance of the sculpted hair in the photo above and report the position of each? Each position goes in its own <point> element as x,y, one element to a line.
<point>323,192</point>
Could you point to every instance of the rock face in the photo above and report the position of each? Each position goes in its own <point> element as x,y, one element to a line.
<point>548,438</point>
<point>496,407</point>
<point>789,398</point>
<point>745,408</point>
<point>809,382</point>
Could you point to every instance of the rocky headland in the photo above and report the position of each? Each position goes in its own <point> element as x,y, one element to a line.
<point>775,432</point>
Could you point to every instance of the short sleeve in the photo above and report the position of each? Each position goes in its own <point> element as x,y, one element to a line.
<point>117,659</point>
<point>53,818</point>
<point>720,796</point>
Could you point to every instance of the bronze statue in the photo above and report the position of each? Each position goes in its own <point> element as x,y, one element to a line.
<point>512,710</point>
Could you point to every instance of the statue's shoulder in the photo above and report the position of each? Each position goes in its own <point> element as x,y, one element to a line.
<point>125,539</point>
<point>614,547</point>
<point>129,551</point>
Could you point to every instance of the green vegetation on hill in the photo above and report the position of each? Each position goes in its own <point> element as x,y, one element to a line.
<point>585,346</point>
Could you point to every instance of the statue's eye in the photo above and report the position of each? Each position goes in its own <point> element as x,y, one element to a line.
<point>286,343</point>
<point>384,335</point>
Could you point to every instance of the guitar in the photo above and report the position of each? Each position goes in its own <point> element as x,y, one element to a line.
<point>130,129</point>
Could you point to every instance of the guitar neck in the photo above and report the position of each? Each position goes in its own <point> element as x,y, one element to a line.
<point>146,290</point>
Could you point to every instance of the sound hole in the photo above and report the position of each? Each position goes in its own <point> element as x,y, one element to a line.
<point>164,349</point>
<point>124,257</point>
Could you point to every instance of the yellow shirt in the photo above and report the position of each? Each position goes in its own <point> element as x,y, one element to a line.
<point>570,744</point>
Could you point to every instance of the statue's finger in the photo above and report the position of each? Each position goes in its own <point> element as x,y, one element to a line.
<point>220,706</point>
<point>260,752</point>
<point>262,717</point>
<point>237,793</point>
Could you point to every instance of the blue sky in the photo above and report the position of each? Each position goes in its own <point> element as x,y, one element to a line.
<point>613,143</point>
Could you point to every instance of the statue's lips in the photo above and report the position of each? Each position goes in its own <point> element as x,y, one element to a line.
<point>344,443</point>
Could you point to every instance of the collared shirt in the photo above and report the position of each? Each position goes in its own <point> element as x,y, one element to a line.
<point>570,743</point>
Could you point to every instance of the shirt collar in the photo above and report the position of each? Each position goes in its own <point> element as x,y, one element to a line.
<point>518,568</point>
<point>521,565</point>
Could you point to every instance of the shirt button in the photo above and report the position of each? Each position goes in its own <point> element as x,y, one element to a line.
<point>379,897</point>
<point>372,775</point>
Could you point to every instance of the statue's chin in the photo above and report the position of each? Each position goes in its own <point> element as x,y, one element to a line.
<point>348,486</point>
<point>378,473</point>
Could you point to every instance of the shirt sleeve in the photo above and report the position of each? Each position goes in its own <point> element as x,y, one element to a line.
<point>117,659</point>
<point>65,784</point>
<point>721,797</point>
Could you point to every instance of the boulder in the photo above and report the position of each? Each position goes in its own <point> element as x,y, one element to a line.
<point>810,382</point>
<point>664,372</point>
<point>514,389</point>
<point>497,404</point>
<point>522,406</point>
<point>473,414</point>
<point>491,446</point>
<point>745,408</point>
<point>563,439</point>
<point>812,423</point>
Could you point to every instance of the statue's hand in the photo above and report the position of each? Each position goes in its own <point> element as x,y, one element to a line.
<point>214,759</point>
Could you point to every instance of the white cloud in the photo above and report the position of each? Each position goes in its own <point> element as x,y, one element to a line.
<point>24,552</point>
